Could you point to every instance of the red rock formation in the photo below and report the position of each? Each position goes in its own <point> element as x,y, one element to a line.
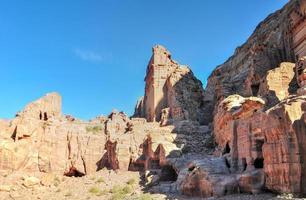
<point>206,178</point>
<point>170,85</point>
<point>139,147</point>
<point>298,22</point>
<point>278,84</point>
<point>301,75</point>
<point>273,141</point>
<point>40,138</point>
<point>269,45</point>
<point>284,146</point>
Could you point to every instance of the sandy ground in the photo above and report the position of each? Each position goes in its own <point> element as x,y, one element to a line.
<point>103,185</point>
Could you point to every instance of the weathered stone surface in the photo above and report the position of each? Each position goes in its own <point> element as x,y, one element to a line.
<point>269,45</point>
<point>301,75</point>
<point>207,177</point>
<point>272,141</point>
<point>278,84</point>
<point>138,146</point>
<point>42,139</point>
<point>230,109</point>
<point>31,181</point>
<point>284,148</point>
<point>170,85</point>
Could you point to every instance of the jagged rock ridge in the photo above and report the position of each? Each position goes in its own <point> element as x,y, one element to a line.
<point>172,92</point>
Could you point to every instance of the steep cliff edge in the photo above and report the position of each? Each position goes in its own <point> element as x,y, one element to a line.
<point>172,92</point>
<point>279,38</point>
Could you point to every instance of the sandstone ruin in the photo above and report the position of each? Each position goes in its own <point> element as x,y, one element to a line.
<point>245,133</point>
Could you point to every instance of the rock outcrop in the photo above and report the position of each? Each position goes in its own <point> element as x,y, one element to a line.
<point>273,140</point>
<point>42,139</point>
<point>172,92</point>
<point>279,38</point>
<point>255,102</point>
<point>301,75</point>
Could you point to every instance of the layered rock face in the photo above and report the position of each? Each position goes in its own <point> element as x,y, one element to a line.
<point>272,141</point>
<point>42,139</point>
<point>279,38</point>
<point>260,134</point>
<point>172,92</point>
<point>301,75</point>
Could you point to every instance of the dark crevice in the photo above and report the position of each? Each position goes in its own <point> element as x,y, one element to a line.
<point>190,169</point>
<point>45,116</point>
<point>227,149</point>
<point>255,89</point>
<point>259,163</point>
<point>14,134</point>
<point>228,165</point>
<point>168,173</point>
<point>244,164</point>
<point>259,144</point>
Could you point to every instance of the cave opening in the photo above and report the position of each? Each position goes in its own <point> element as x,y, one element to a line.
<point>40,115</point>
<point>45,116</point>
<point>227,149</point>
<point>168,174</point>
<point>259,163</point>
<point>73,172</point>
<point>255,89</point>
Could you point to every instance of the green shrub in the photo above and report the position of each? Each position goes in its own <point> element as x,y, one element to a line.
<point>100,180</point>
<point>127,189</point>
<point>120,192</point>
<point>131,181</point>
<point>94,129</point>
<point>94,190</point>
<point>103,192</point>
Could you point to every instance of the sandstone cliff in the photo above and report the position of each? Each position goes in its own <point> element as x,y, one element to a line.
<point>256,102</point>
<point>172,92</point>
<point>279,38</point>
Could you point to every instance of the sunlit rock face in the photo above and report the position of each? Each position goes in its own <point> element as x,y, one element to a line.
<point>170,86</point>
<point>42,139</point>
<point>279,38</point>
<point>272,141</point>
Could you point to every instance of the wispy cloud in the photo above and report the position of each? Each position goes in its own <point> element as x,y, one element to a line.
<point>88,55</point>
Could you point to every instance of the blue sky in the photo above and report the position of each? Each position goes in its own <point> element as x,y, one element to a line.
<point>95,52</point>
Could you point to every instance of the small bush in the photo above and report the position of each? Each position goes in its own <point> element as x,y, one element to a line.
<point>131,181</point>
<point>118,196</point>
<point>120,192</point>
<point>94,129</point>
<point>94,190</point>
<point>100,180</point>
<point>127,189</point>
<point>103,192</point>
